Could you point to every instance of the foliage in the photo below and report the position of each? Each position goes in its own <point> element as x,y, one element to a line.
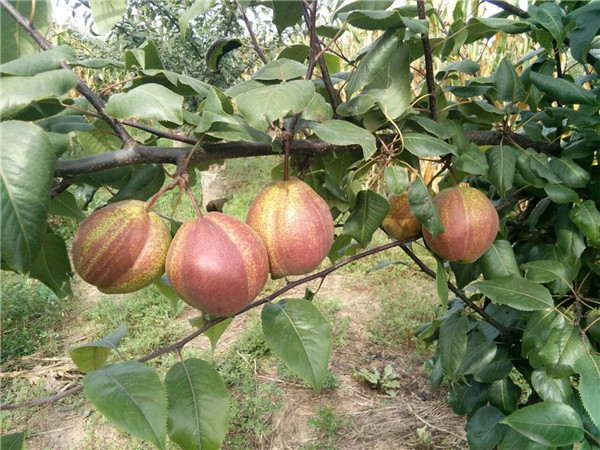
<point>385,382</point>
<point>523,129</point>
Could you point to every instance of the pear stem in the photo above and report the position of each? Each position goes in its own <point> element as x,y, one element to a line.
<point>287,142</point>
<point>193,199</point>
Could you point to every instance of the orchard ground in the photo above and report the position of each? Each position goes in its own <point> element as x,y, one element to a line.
<point>372,314</point>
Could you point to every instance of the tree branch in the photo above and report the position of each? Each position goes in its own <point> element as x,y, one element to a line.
<point>81,86</point>
<point>252,35</point>
<point>433,110</point>
<point>181,343</point>
<point>214,151</point>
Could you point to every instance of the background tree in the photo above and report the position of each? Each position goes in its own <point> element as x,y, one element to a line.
<point>422,106</point>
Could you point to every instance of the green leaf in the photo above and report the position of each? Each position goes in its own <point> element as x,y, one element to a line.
<point>176,82</point>
<point>560,194</point>
<point>441,282</point>
<point>342,246</point>
<point>509,86</point>
<point>281,69</point>
<point>422,207</point>
<point>340,132</point>
<point>148,101</point>
<point>538,330</point>
<point>100,139</point>
<point>15,42</point>
<point>587,218</point>
<point>198,405</point>
<point>93,355</point>
<point>396,179</point>
<point>215,332</point>
<point>430,126</point>
<point>299,335</point>
<point>480,352</point>
<point>514,440</point>
<point>517,292</point>
<point>52,266</point>
<point>423,145</point>
<point>504,394</point>
<point>499,368</point>
<point>366,217</point>
<point>218,49</point>
<point>144,183</point>
<point>587,20</point>
<point>551,389</point>
<point>569,172</point>
<point>24,205</point>
<point>164,287</point>
<point>484,429</point>
<point>472,161</point>
<point>502,161</point>
<point>465,398</point>
<point>453,343</point>
<point>40,62</point>
<point>65,204</point>
<point>588,368</point>
<point>376,20</point>
<point>549,423</point>
<point>318,109</point>
<point>569,240</point>
<point>198,8</point>
<point>546,270</point>
<point>20,92</point>
<point>132,397</point>
<point>550,16</point>
<point>540,166</point>
<point>465,66</point>
<point>13,441</point>
<point>262,106</point>
<point>372,63</point>
<point>562,90</point>
<point>107,13</point>
<point>499,261</point>
<point>562,350</point>
<point>285,14</point>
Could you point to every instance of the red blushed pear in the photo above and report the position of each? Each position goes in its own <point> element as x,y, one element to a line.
<point>295,224</point>
<point>470,221</point>
<point>399,221</point>
<point>217,264</point>
<point>121,248</point>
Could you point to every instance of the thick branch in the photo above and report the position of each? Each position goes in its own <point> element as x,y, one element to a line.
<point>214,151</point>
<point>433,110</point>
<point>81,86</point>
<point>179,344</point>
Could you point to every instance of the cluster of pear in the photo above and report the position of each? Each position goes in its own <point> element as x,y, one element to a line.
<point>215,263</point>
<point>469,218</point>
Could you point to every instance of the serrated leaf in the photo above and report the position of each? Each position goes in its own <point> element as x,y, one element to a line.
<point>218,49</point>
<point>145,182</point>
<point>20,92</point>
<point>562,350</point>
<point>15,42</point>
<point>340,132</point>
<point>262,106</point>
<point>148,101</point>
<point>198,405</point>
<point>132,397</point>
<point>546,270</point>
<point>366,217</point>
<point>93,355</point>
<point>198,8</point>
<point>281,69</point>
<point>504,394</point>
<point>453,343</point>
<point>499,261</point>
<point>472,161</point>
<point>299,335</point>
<point>517,292</point>
<point>396,179</point>
<point>423,145</point>
<point>484,429</point>
<point>502,161</point>
<point>587,218</point>
<point>562,90</point>
<point>52,266</point>
<point>538,329</point>
<point>548,423</point>
<point>107,13</point>
<point>65,204</point>
<point>422,207</point>
<point>588,368</point>
<point>13,441</point>
<point>24,205</point>
<point>551,389</point>
<point>509,86</point>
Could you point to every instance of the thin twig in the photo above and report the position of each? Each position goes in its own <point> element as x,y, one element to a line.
<point>252,35</point>
<point>433,113</point>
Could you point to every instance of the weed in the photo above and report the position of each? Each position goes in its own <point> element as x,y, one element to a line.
<point>328,425</point>
<point>385,383</point>
<point>424,439</point>
<point>339,326</point>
